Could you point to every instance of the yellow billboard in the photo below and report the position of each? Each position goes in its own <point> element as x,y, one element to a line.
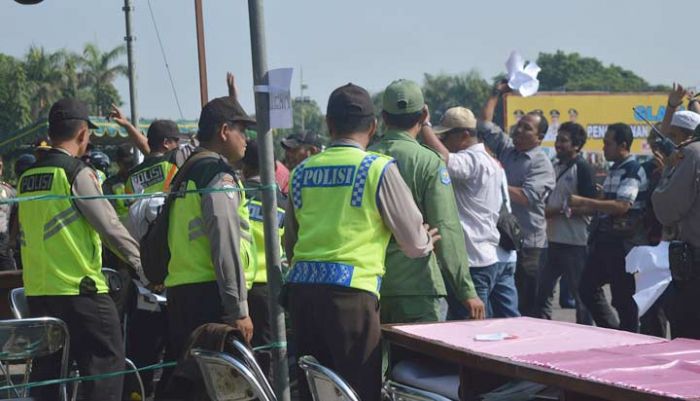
<point>594,111</point>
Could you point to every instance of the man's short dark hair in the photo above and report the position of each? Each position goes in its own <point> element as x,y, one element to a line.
<point>65,129</point>
<point>350,124</point>
<point>402,121</point>
<point>622,133</point>
<point>576,132</point>
<point>543,126</point>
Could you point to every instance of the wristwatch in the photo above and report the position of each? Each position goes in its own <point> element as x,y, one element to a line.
<point>427,124</point>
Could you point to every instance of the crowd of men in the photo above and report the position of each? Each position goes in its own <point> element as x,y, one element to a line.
<point>425,222</point>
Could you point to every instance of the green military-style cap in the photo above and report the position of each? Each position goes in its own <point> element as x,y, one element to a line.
<point>403,97</point>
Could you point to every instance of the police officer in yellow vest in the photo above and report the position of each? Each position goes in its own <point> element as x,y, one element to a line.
<point>61,254</point>
<point>158,169</point>
<point>116,184</point>
<point>209,238</point>
<point>256,274</point>
<point>345,205</point>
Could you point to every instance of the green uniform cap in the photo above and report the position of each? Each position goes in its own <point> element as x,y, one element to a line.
<point>403,97</point>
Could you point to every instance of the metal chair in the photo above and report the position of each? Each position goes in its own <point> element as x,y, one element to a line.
<point>23,340</point>
<point>20,310</point>
<point>252,363</point>
<point>394,391</point>
<point>227,379</point>
<point>18,303</point>
<point>325,384</point>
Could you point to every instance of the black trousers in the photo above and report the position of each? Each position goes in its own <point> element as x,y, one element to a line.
<point>340,327</point>
<point>527,274</point>
<point>95,344</point>
<point>565,261</point>
<point>682,307</point>
<point>262,331</point>
<point>190,306</point>
<point>606,265</point>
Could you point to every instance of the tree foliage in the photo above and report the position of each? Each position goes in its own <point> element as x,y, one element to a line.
<point>30,85</point>
<point>444,91</point>
<point>573,72</point>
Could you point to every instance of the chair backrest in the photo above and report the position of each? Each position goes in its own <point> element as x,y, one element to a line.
<point>324,384</point>
<point>252,363</point>
<point>18,303</point>
<point>401,392</point>
<point>113,279</point>
<point>22,340</point>
<point>227,379</point>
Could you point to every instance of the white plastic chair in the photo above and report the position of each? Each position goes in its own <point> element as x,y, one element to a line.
<point>228,379</point>
<point>325,384</point>
<point>23,340</point>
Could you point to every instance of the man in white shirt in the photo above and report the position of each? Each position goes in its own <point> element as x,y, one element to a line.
<point>477,179</point>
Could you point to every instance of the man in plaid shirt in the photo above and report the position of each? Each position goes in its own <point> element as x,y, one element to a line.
<point>617,228</point>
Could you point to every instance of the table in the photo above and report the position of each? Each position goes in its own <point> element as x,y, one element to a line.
<point>586,363</point>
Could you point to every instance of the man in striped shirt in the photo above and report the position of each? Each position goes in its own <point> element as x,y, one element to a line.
<point>616,229</point>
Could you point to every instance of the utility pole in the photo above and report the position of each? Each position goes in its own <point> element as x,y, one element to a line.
<point>301,95</point>
<point>201,54</point>
<point>269,201</point>
<point>128,10</point>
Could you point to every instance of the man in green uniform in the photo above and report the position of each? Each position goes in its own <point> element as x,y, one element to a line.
<point>414,290</point>
<point>346,203</point>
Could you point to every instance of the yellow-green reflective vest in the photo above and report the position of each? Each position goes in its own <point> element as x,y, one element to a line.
<point>61,252</point>
<point>342,238</point>
<point>114,186</point>
<point>101,176</point>
<point>153,175</point>
<point>257,273</point>
<point>190,249</point>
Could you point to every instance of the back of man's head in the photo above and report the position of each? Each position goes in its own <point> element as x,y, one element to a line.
<point>350,111</point>
<point>402,104</point>
<point>67,118</point>
<point>159,131</point>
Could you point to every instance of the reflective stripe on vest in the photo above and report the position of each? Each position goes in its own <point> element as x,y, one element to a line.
<point>61,252</point>
<point>259,274</point>
<point>190,248</point>
<point>342,238</point>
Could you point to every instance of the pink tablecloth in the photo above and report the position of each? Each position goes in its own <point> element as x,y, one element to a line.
<point>669,368</point>
<point>533,336</point>
<point>654,365</point>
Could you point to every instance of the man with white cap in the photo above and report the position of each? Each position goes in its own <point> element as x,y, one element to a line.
<point>477,179</point>
<point>676,201</point>
<point>683,123</point>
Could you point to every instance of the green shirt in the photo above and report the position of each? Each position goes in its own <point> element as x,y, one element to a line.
<point>426,176</point>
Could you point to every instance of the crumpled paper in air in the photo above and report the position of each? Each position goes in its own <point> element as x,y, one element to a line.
<point>522,78</point>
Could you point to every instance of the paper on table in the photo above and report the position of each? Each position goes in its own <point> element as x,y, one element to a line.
<point>522,78</point>
<point>650,263</point>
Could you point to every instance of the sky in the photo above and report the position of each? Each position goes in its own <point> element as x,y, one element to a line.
<point>367,42</point>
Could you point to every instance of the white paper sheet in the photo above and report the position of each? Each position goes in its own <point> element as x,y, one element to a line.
<point>522,78</point>
<point>650,263</point>
<point>279,82</point>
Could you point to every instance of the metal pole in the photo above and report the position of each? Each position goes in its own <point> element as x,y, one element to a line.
<point>128,9</point>
<point>269,198</point>
<point>201,54</point>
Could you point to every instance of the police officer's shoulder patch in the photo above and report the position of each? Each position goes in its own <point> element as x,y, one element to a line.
<point>444,176</point>
<point>229,184</point>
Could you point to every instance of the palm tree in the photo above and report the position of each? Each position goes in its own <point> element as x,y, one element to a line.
<point>97,74</point>
<point>45,77</point>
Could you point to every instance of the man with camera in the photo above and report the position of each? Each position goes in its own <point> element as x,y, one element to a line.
<point>676,202</point>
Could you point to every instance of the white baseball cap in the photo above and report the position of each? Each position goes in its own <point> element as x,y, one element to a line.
<point>685,119</point>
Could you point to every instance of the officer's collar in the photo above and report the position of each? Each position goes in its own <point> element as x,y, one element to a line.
<point>399,134</point>
<point>345,142</point>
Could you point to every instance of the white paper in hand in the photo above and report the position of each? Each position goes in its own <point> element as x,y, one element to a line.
<point>650,263</point>
<point>522,78</point>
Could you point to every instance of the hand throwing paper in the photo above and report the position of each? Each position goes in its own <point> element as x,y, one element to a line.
<point>522,78</point>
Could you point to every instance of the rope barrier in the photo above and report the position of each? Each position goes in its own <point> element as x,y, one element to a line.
<point>51,197</point>
<point>52,382</point>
